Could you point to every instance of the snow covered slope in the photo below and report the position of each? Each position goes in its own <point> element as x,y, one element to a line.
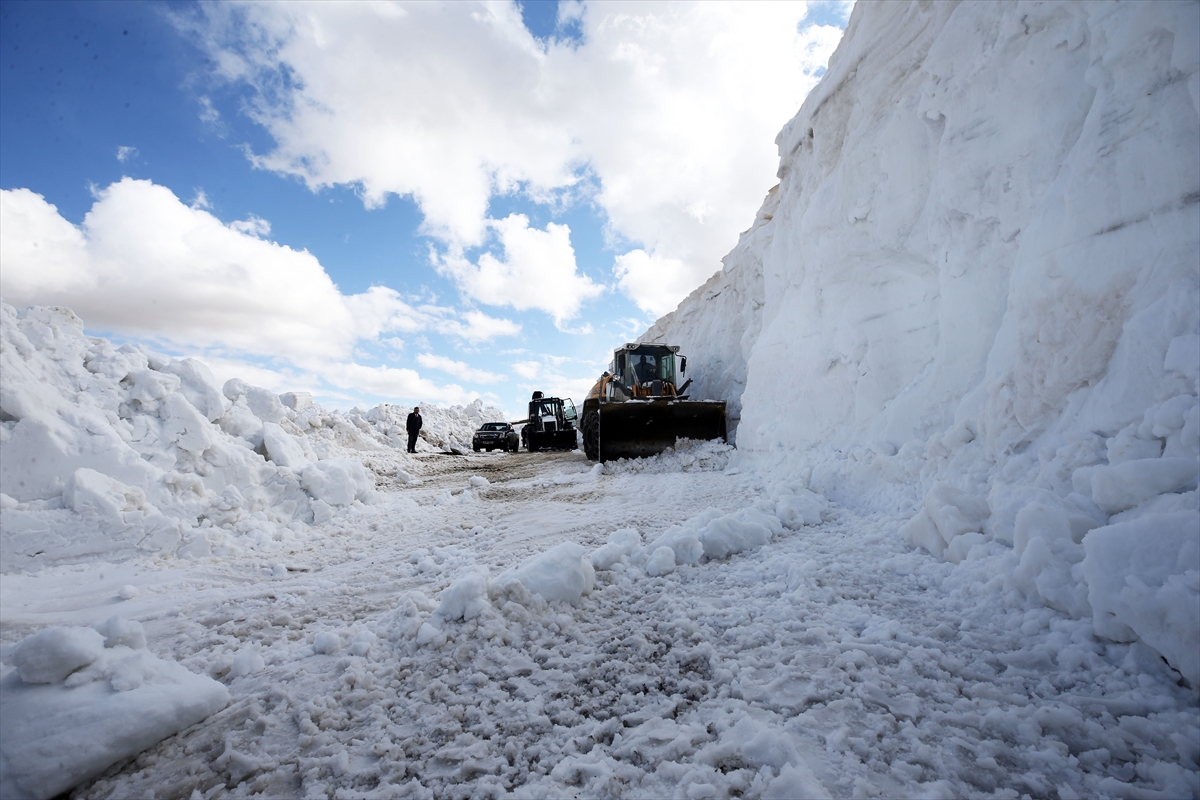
<point>974,299</point>
<point>108,450</point>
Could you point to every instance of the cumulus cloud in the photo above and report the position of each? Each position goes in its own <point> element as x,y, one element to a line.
<point>666,110</point>
<point>538,270</point>
<point>144,263</point>
<point>653,279</point>
<point>124,153</point>
<point>556,376</point>
<point>251,226</point>
<point>458,369</point>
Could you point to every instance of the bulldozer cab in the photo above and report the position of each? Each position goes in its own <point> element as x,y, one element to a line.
<point>648,369</point>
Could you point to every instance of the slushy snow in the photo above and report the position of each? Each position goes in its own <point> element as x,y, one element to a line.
<point>956,552</point>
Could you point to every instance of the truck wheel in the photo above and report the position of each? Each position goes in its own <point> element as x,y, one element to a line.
<point>591,435</point>
<point>475,448</point>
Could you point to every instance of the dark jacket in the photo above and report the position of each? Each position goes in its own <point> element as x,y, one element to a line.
<point>414,423</point>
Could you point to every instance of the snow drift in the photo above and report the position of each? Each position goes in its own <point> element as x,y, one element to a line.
<point>155,456</point>
<point>974,299</point>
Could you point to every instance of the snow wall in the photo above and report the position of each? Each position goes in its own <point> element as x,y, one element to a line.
<point>973,300</point>
<point>108,451</point>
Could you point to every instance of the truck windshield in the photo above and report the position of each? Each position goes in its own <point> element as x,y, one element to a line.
<point>648,363</point>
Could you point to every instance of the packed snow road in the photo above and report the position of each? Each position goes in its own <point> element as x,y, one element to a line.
<point>835,660</point>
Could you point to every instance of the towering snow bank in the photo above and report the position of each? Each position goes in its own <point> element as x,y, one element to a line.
<point>156,456</point>
<point>974,298</point>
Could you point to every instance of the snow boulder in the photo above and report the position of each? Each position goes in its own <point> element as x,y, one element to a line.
<point>624,543</point>
<point>661,562</point>
<point>1143,580</point>
<point>199,387</point>
<point>283,448</point>
<point>562,574</point>
<point>1122,486</point>
<point>799,507</point>
<point>51,654</point>
<point>338,482</point>
<point>81,700</point>
<point>94,493</point>
<point>744,529</point>
<point>946,512</point>
<point>466,598</point>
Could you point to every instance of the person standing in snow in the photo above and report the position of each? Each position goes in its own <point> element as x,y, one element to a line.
<point>414,427</point>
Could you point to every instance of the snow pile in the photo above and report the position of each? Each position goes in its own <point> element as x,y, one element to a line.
<point>688,455</point>
<point>561,574</point>
<point>442,428</point>
<point>566,573</point>
<point>82,699</point>
<point>974,300</point>
<point>156,457</point>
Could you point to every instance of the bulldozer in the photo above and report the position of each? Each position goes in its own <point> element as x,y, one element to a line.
<point>637,408</point>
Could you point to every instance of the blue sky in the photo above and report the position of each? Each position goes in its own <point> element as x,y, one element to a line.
<point>424,203</point>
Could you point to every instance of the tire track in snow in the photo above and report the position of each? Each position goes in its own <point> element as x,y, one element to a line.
<point>835,653</point>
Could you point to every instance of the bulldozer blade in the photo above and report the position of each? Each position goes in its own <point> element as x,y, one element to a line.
<point>635,428</point>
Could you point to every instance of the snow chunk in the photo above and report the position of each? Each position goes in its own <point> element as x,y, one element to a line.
<point>92,492</point>
<point>752,743</point>
<point>199,387</point>
<point>338,481</point>
<point>661,562</point>
<point>744,529</point>
<point>327,643</point>
<point>263,403</point>
<point>1183,356</point>
<point>120,631</point>
<point>51,654</point>
<point>947,512</point>
<point>1121,486</point>
<point>562,573</point>
<point>800,508</point>
<point>247,662</point>
<point>467,597</point>
<point>57,734</point>
<point>1143,582</point>
<point>297,401</point>
<point>621,544</point>
<point>282,447</point>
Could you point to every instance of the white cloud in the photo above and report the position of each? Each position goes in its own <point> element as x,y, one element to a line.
<point>551,375</point>
<point>458,369</point>
<point>143,263</point>
<point>479,327</point>
<point>652,280</point>
<point>671,107</point>
<point>538,270</point>
<point>251,226</point>
<point>125,153</point>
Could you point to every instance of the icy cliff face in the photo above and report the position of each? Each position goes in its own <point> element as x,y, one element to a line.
<point>974,298</point>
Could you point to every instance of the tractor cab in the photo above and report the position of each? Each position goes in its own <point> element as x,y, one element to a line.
<point>551,423</point>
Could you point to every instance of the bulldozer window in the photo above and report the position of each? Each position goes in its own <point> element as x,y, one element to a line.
<point>650,363</point>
